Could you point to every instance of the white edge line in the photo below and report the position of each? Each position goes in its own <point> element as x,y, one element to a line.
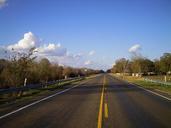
<point>155,93</point>
<point>36,102</point>
<point>152,92</point>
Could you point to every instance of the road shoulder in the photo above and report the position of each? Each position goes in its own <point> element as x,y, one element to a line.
<point>154,91</point>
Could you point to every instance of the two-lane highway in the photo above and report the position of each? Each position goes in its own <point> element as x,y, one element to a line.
<point>103,101</point>
<point>133,107</point>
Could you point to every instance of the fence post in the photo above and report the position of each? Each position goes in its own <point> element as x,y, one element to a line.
<point>25,82</point>
<point>165,78</point>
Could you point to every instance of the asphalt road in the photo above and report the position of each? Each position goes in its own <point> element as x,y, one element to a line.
<point>101,102</point>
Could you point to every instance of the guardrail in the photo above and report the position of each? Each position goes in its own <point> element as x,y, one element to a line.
<point>35,86</point>
<point>157,81</point>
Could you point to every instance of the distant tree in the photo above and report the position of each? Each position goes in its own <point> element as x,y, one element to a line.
<point>17,69</point>
<point>165,62</point>
<point>147,66</point>
<point>142,65</point>
<point>9,76</point>
<point>24,63</point>
<point>34,75</point>
<point>109,71</point>
<point>60,72</point>
<point>3,64</point>
<point>67,72</point>
<point>136,65</point>
<point>44,70</point>
<point>157,66</point>
<point>120,65</point>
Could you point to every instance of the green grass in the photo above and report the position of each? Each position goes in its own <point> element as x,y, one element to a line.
<point>151,85</point>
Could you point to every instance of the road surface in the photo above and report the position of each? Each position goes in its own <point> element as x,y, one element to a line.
<point>100,102</point>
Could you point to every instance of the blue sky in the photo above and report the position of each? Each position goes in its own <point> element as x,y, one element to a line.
<point>107,27</point>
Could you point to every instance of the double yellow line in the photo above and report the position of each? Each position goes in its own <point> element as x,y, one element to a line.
<point>99,123</point>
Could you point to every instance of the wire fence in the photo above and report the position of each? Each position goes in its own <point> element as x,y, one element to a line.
<point>165,78</point>
<point>157,81</point>
<point>35,86</point>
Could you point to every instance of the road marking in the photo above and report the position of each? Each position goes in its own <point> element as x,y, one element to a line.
<point>155,93</point>
<point>106,111</point>
<point>36,102</point>
<point>99,123</point>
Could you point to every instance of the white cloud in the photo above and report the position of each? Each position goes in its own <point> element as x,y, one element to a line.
<point>3,3</point>
<point>91,53</point>
<point>74,60</point>
<point>88,62</point>
<point>135,48</point>
<point>29,41</point>
<point>52,50</point>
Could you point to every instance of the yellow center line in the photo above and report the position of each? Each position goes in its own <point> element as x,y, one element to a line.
<point>106,110</point>
<point>99,125</point>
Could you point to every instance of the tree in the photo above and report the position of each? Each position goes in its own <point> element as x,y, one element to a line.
<point>60,72</point>
<point>34,75</point>
<point>157,66</point>
<point>142,65</point>
<point>120,65</point>
<point>147,66</point>
<point>17,68</point>
<point>44,70</point>
<point>67,71</point>
<point>165,63</point>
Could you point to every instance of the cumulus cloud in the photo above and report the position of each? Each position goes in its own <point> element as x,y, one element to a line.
<point>74,60</point>
<point>135,48</point>
<point>78,56</point>
<point>91,53</point>
<point>3,3</point>
<point>88,62</point>
<point>52,50</point>
<point>29,41</point>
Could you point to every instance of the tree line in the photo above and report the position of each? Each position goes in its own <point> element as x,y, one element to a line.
<point>21,66</point>
<point>143,65</point>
